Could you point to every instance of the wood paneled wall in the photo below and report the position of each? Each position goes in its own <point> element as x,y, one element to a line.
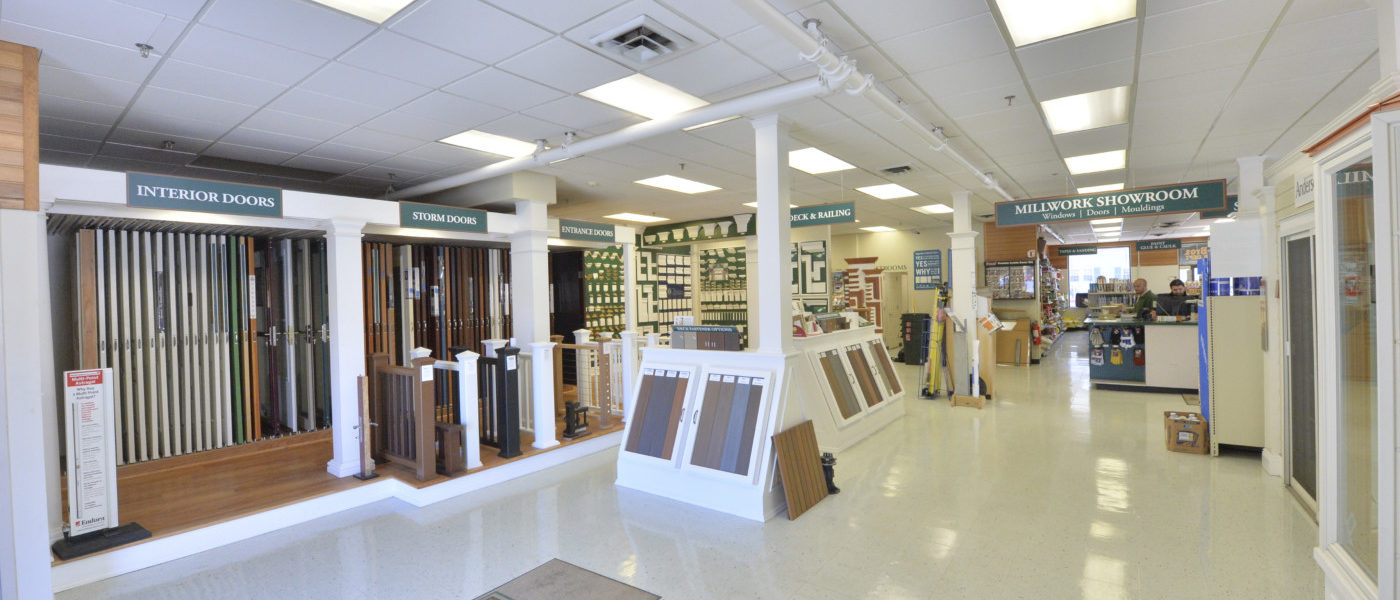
<point>19,126</point>
<point>1008,243</point>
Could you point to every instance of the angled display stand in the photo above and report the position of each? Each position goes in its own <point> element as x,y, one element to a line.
<point>848,386</point>
<point>699,427</point>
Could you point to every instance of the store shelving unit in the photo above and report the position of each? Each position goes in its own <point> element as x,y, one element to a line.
<point>1052,303</point>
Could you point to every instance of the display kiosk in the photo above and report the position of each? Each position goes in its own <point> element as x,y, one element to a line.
<point>848,385</point>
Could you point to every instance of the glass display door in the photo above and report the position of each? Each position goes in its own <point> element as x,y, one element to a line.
<point>1298,355</point>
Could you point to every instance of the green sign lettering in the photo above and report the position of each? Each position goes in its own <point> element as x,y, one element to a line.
<point>182,193</point>
<point>445,218</point>
<point>1185,197</point>
<point>1076,250</point>
<point>826,214</point>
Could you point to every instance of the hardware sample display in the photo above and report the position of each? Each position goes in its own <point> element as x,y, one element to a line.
<point>656,416</point>
<point>604,308</point>
<point>663,288</point>
<point>724,289</point>
<point>724,434</point>
<point>214,339</point>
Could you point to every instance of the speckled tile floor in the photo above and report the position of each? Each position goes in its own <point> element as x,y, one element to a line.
<point>1052,491</point>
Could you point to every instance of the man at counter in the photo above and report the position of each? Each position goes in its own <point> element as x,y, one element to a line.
<point>1146,299</point>
<point>1174,304</point>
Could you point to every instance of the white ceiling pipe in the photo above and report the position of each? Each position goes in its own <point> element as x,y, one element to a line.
<point>844,73</point>
<point>752,103</point>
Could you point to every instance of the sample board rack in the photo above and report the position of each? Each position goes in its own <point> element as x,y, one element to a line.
<point>214,339</point>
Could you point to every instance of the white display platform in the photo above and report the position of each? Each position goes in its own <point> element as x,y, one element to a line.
<point>837,431</point>
<point>754,495</point>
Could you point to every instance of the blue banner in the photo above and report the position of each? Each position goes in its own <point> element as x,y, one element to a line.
<point>928,269</point>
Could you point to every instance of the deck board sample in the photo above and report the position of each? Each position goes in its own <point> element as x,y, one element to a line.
<point>656,416</point>
<point>728,422</point>
<point>800,466</point>
<point>639,412</point>
<point>886,368</point>
<point>864,377</point>
<point>839,383</point>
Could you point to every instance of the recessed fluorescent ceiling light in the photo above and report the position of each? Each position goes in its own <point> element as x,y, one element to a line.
<point>888,191</point>
<point>677,184</point>
<point>755,205</point>
<point>878,228</point>
<point>814,161</point>
<point>935,209</point>
<point>1031,21</point>
<point>491,143</point>
<point>644,96</point>
<point>1105,221</point>
<point>1094,189</point>
<point>1225,220</point>
<point>1107,228</point>
<point>371,10</point>
<point>636,217</point>
<point>1093,163</point>
<point>1087,111</point>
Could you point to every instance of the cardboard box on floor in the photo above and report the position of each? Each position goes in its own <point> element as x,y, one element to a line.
<point>1187,432</point>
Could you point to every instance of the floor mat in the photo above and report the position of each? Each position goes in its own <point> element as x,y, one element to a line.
<point>1192,399</point>
<point>558,579</point>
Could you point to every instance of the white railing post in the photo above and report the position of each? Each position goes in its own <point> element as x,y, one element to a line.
<point>653,340</point>
<point>469,406</point>
<point>629,363</point>
<point>542,387</point>
<point>489,347</point>
<point>525,394</point>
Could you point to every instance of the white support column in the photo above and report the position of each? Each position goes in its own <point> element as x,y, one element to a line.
<point>629,365</point>
<point>962,266</point>
<point>24,502</point>
<point>773,335</point>
<point>347,348</point>
<point>529,273</point>
<point>469,406</point>
<point>542,382</point>
<point>1275,403</point>
<point>44,345</point>
<point>629,286</point>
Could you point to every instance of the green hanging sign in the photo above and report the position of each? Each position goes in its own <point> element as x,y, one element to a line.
<point>145,190</point>
<point>826,214</point>
<point>1158,245</point>
<point>1076,250</point>
<point>1232,204</point>
<point>444,218</point>
<point>588,232</point>
<point>1185,197</point>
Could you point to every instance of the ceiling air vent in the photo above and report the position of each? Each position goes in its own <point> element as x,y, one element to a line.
<point>642,40</point>
<point>900,170</point>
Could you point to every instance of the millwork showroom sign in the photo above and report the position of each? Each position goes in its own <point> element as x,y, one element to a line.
<point>445,218</point>
<point>583,230</point>
<point>1185,197</point>
<point>182,193</point>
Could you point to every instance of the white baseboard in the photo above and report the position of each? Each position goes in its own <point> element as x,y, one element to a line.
<point>150,553</point>
<point>1273,462</point>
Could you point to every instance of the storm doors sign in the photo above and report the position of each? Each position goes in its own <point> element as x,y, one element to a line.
<point>446,218</point>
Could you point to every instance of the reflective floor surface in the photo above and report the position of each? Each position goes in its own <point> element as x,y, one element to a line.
<point>1052,491</point>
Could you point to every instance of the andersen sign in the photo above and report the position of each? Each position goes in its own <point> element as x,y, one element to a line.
<point>182,193</point>
<point>445,218</point>
<point>588,232</point>
<point>826,214</point>
<point>1185,197</point>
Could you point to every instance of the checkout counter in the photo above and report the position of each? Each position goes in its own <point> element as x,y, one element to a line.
<point>1154,354</point>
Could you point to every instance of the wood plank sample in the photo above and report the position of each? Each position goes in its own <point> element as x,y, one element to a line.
<point>656,418</point>
<point>885,366</point>
<point>728,421</point>
<point>840,384</point>
<point>864,377</point>
<point>800,466</point>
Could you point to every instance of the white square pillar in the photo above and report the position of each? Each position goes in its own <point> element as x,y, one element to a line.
<point>529,273</point>
<point>345,288</point>
<point>774,301</point>
<point>962,276</point>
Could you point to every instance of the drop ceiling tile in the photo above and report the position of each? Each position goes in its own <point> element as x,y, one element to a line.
<point>248,153</point>
<point>68,144</point>
<point>113,163</point>
<point>579,113</point>
<point>323,107</point>
<point>218,49</point>
<point>1180,60</point>
<point>78,110</point>
<point>246,136</point>
<point>74,129</point>
<point>499,88</point>
<point>57,157</point>
<point>560,16</point>
<point>1305,37</point>
<point>770,50</point>
<point>150,139</point>
<point>448,108</point>
<point>158,122</point>
<point>1223,79</point>
<point>695,71</point>
<point>344,81</point>
<point>322,164</point>
<point>946,44</point>
<point>996,70</point>
<point>145,153</point>
<point>406,163</point>
<point>380,173</point>
<point>562,64</point>
<point>885,19</point>
<point>460,158</point>
<point>412,126</point>
<point>1102,77</point>
<point>959,105</point>
<point>384,142</point>
<point>100,21</point>
<point>85,87</point>
<point>521,127</point>
<point>293,124</point>
<point>179,104</point>
<point>81,55</point>
<point>348,153</point>
<point>870,61</point>
<point>470,28</point>
<point>389,53</point>
<point>1206,22</point>
<point>191,78</point>
<point>1080,51</point>
<point>1269,71</point>
<point>305,26</point>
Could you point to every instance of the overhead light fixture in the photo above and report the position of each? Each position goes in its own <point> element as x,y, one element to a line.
<point>491,143</point>
<point>370,10</point>
<point>755,204</point>
<point>714,122</point>
<point>1105,221</point>
<point>644,96</point>
<point>1031,21</point>
<point>888,191</point>
<point>1091,110</point>
<point>626,216</point>
<point>1094,163</point>
<point>1094,189</point>
<point>877,229</point>
<point>816,162</point>
<point>1224,220</point>
<point>935,209</point>
<point>677,184</point>
<point>1108,229</point>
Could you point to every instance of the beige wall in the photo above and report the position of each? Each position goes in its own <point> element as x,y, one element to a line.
<point>897,248</point>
